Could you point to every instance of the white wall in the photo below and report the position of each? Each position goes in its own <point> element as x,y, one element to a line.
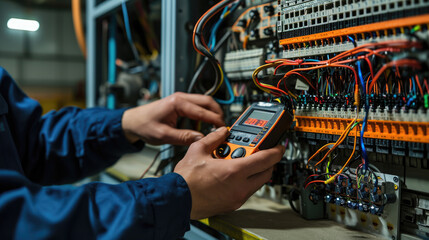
<point>47,57</point>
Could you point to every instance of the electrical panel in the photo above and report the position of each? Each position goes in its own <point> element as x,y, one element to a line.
<point>355,73</point>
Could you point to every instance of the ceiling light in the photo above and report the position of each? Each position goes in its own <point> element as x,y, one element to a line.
<point>23,24</point>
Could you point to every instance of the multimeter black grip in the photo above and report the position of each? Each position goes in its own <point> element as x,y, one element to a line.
<point>278,131</point>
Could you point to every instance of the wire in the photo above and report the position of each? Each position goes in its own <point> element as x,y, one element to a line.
<point>197,36</point>
<point>111,60</point>
<point>78,26</point>
<point>154,160</point>
<point>362,144</point>
<point>206,60</point>
<point>315,181</point>
<point>128,31</point>
<point>267,87</point>
<point>347,162</point>
<point>353,41</point>
<point>231,94</point>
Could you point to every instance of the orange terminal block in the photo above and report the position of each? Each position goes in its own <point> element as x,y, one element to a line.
<point>380,129</point>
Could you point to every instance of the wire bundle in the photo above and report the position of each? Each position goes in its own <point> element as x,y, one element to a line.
<point>333,80</point>
<point>201,47</point>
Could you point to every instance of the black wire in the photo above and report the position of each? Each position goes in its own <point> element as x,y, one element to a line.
<point>206,59</point>
<point>202,49</point>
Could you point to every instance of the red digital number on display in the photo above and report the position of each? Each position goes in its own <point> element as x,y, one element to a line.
<point>256,122</point>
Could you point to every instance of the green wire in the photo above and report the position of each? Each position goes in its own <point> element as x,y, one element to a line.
<point>415,29</point>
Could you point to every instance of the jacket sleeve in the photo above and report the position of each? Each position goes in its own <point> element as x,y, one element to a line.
<point>62,146</point>
<point>152,208</point>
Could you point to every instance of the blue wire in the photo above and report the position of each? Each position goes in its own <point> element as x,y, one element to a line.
<point>126,22</point>
<point>212,40</point>
<point>365,120</point>
<point>231,94</point>
<point>111,77</point>
<point>128,31</point>
<point>361,77</point>
<point>414,85</point>
<point>352,40</point>
<point>311,60</point>
<point>411,100</point>
<point>212,44</point>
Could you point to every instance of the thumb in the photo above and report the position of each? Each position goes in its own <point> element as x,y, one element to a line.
<point>214,139</point>
<point>180,136</point>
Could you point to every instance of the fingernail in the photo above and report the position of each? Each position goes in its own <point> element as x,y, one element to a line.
<point>220,129</point>
<point>198,137</point>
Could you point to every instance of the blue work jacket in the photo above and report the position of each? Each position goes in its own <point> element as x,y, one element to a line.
<point>37,152</point>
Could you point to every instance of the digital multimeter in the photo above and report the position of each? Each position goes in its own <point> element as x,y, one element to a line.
<point>260,127</point>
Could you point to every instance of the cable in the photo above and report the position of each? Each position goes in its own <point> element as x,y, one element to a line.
<point>231,94</point>
<point>154,160</point>
<point>206,59</point>
<point>366,108</point>
<point>347,162</point>
<point>353,41</point>
<point>128,32</point>
<point>78,26</point>
<point>111,61</point>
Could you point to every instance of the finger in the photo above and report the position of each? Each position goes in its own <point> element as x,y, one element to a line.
<point>256,181</point>
<point>210,142</point>
<point>179,136</point>
<point>195,112</point>
<point>259,161</point>
<point>204,101</point>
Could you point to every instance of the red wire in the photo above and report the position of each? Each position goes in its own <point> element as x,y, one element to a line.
<point>315,181</point>
<point>196,25</point>
<point>397,63</point>
<point>419,85</point>
<point>310,177</point>
<point>299,74</point>
<point>426,84</point>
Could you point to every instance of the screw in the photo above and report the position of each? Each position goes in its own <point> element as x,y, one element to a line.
<point>395,179</point>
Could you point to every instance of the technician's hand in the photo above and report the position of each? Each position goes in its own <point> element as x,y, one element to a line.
<point>155,123</point>
<point>218,185</point>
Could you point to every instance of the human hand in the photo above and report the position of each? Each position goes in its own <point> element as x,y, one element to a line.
<point>219,185</point>
<point>155,123</point>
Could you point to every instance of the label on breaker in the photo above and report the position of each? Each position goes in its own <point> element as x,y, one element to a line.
<point>300,85</point>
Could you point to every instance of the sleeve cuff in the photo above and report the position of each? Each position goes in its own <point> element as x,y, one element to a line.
<point>115,136</point>
<point>171,203</point>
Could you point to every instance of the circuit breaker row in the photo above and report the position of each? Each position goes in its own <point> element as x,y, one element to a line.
<point>344,44</point>
<point>322,16</point>
<point>241,64</point>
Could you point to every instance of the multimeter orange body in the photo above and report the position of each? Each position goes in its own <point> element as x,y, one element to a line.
<point>260,127</point>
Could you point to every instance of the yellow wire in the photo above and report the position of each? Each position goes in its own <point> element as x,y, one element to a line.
<point>338,142</point>
<point>347,162</point>
<point>260,68</point>
<point>220,82</point>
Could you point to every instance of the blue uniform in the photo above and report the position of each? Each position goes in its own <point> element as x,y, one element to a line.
<point>37,152</point>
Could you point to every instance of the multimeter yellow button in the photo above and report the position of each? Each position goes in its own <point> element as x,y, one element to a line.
<point>223,150</point>
<point>238,153</point>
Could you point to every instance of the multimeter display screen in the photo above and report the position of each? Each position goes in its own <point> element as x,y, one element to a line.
<point>258,118</point>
